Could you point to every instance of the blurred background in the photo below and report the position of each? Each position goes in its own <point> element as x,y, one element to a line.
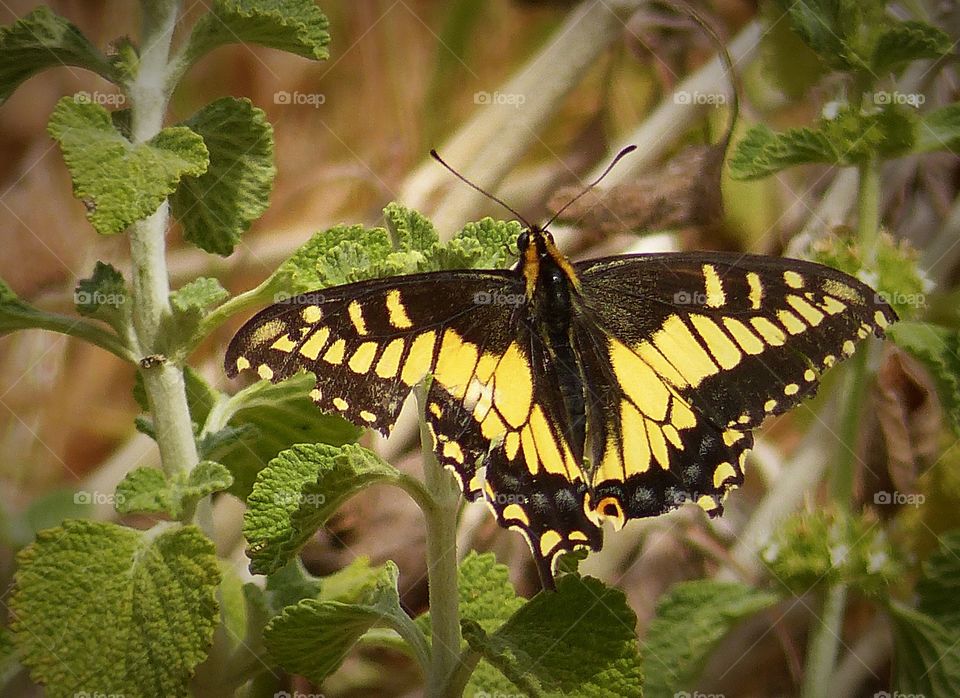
<point>352,134</point>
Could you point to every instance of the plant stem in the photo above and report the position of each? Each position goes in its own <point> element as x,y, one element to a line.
<point>163,383</point>
<point>824,644</point>
<point>868,210</point>
<point>441,525</point>
<point>65,324</point>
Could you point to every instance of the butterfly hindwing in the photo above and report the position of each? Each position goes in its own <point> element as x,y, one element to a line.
<point>739,336</point>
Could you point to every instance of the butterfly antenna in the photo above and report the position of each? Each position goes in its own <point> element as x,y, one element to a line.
<point>625,151</point>
<point>436,156</point>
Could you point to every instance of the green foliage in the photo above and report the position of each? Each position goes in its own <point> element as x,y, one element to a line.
<point>44,40</point>
<point>143,600</point>
<point>938,348</point>
<point>691,620</point>
<point>313,637</point>
<point>149,491</point>
<point>189,304</point>
<point>926,662</point>
<point>486,244</point>
<point>940,130</point>
<point>825,548</point>
<point>905,42</point>
<point>295,26</point>
<point>583,619</point>
<point>264,419</point>
<point>832,28</point>
<point>104,296</point>
<point>119,182</point>
<point>217,207</point>
<point>296,494</point>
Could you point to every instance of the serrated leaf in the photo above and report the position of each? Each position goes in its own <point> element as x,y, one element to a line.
<point>939,129</point>
<point>274,417</point>
<point>120,182</point>
<point>831,28</point>
<point>296,494</point>
<point>43,40</point>
<point>905,42</point>
<point>102,608</point>
<point>582,619</point>
<point>313,638</point>
<point>925,658</point>
<point>292,583</point>
<point>939,588</point>
<point>763,152</point>
<point>216,208</point>
<point>148,490</point>
<point>691,620</point>
<point>295,26</point>
<point>938,348</point>
<point>411,230</point>
<point>484,244</point>
<point>103,296</point>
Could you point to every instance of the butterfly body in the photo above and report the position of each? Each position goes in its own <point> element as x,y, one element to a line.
<point>565,394</point>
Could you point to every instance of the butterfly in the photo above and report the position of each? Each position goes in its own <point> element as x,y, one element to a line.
<point>565,394</point>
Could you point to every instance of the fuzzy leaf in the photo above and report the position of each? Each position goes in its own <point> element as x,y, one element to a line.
<point>272,417</point>
<point>216,208</point>
<point>485,244</point>
<point>830,28</point>
<point>905,42</point>
<point>188,305</point>
<point>762,152</point>
<point>692,618</point>
<point>410,230</point>
<point>106,609</point>
<point>938,348</point>
<point>297,492</point>
<point>44,40</point>
<point>582,619</point>
<point>103,296</point>
<point>926,661</point>
<point>313,638</point>
<point>119,182</point>
<point>148,490</point>
<point>939,129</point>
<point>295,26</point>
<point>939,588</point>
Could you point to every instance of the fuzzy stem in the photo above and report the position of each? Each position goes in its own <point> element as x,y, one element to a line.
<point>164,382</point>
<point>441,524</point>
<point>824,645</point>
<point>868,210</point>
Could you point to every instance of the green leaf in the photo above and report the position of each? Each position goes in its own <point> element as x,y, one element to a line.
<point>313,638</point>
<point>292,583</point>
<point>939,588</point>
<point>273,417</point>
<point>905,42</point>
<point>584,620</point>
<point>297,492</point>
<point>939,129</point>
<point>937,348</point>
<point>148,490</point>
<point>926,661</point>
<point>7,295</point>
<point>104,296</point>
<point>119,182</point>
<point>691,620</point>
<point>485,244</point>
<point>831,28</point>
<point>216,208</point>
<point>188,305</point>
<point>43,40</point>
<point>762,152</point>
<point>102,608</point>
<point>295,26</point>
<point>410,230</point>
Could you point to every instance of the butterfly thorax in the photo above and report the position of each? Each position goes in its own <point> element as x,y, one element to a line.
<point>551,284</point>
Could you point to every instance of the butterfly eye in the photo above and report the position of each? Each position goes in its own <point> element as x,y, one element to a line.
<point>523,241</point>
